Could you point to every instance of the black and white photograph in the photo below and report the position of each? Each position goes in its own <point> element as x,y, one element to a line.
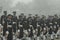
<point>29,19</point>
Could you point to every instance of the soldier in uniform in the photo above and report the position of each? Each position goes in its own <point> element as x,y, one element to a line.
<point>1,32</point>
<point>30,32</point>
<point>55,25</point>
<point>14,22</point>
<point>25,24</point>
<point>34,22</point>
<point>29,20</point>
<point>50,26</point>
<point>43,22</point>
<point>38,32</point>
<point>20,28</point>
<point>3,22</point>
<point>9,34</point>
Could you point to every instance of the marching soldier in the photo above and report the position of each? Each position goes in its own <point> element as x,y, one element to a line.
<point>38,32</point>
<point>43,22</point>
<point>44,33</point>
<point>30,32</point>
<point>3,22</point>
<point>9,34</point>
<point>14,21</point>
<point>25,24</point>
<point>55,25</point>
<point>1,32</point>
<point>20,29</point>
<point>29,20</point>
<point>34,22</point>
<point>50,26</point>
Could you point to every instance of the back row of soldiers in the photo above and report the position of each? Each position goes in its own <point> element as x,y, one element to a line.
<point>28,27</point>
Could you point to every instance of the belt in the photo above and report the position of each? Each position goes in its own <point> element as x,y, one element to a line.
<point>14,22</point>
<point>20,25</point>
<point>50,23</point>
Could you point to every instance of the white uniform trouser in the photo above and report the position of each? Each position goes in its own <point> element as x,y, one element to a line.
<point>44,37</point>
<point>14,37</point>
<point>38,38</point>
<point>18,39</point>
<point>58,32</point>
<point>29,38</point>
<point>4,38</point>
<point>52,36</point>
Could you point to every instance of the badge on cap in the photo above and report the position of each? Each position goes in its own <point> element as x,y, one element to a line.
<point>18,30</point>
<point>7,32</point>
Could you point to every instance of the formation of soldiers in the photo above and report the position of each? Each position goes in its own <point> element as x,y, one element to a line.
<point>28,28</point>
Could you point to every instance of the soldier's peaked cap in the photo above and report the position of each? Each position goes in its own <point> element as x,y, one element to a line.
<point>14,11</point>
<point>5,11</point>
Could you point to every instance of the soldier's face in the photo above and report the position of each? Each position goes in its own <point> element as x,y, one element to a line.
<point>10,17</point>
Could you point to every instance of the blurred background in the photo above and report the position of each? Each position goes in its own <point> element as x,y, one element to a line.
<point>41,7</point>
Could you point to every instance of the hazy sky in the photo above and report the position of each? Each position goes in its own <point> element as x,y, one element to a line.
<point>32,6</point>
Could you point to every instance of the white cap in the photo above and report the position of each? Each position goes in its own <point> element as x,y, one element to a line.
<point>44,28</point>
<point>38,25</point>
<point>7,32</point>
<point>29,29</point>
<point>21,25</point>
<point>30,25</point>
<point>0,24</point>
<point>33,31</point>
<point>18,30</point>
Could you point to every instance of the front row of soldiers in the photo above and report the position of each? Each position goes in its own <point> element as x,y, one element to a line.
<point>31,28</point>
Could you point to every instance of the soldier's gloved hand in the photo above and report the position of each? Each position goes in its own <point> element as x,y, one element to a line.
<point>7,33</point>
